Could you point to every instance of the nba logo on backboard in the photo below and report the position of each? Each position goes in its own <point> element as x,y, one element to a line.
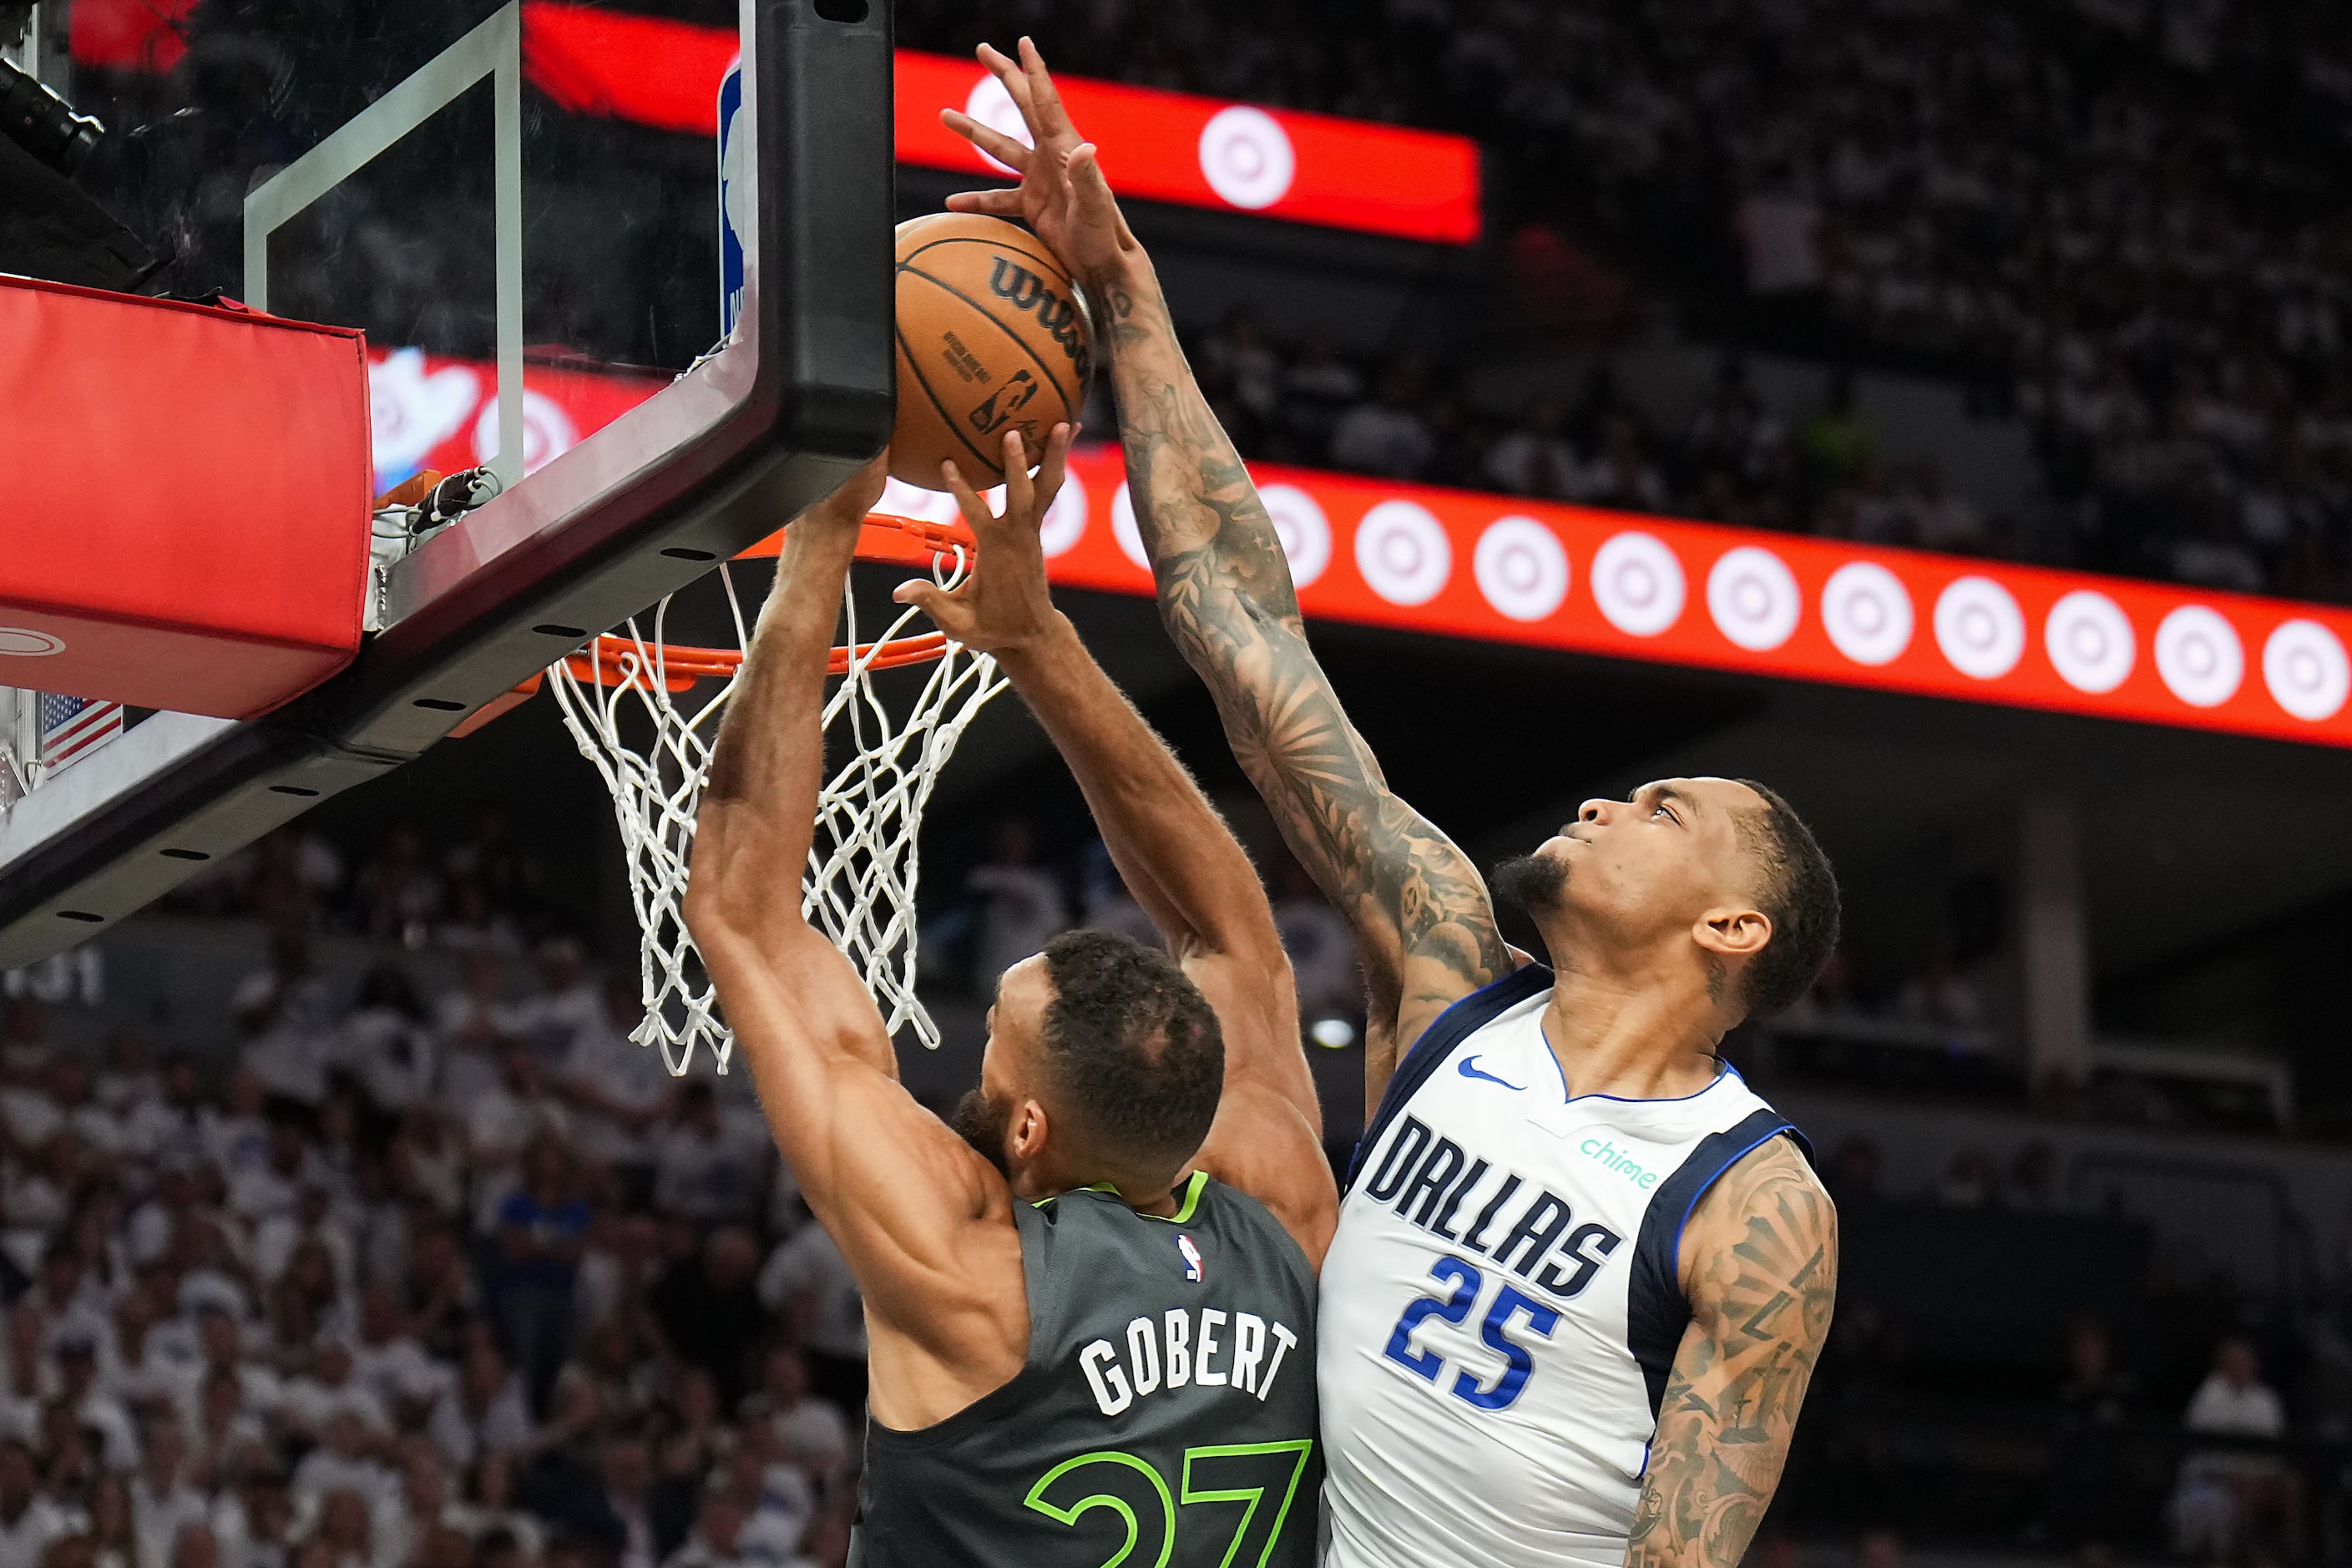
<point>734,198</point>
<point>1195,1270</point>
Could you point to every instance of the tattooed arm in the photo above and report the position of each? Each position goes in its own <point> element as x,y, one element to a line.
<point>1758,1263</point>
<point>1423,922</point>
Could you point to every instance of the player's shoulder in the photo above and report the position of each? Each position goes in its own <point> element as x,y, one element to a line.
<point>1769,1209</point>
<point>1247,1222</point>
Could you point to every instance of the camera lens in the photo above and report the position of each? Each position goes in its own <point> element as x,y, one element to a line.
<point>44,124</point>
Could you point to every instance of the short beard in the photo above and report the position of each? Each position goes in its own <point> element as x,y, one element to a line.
<point>1530,882</point>
<point>980,1122</point>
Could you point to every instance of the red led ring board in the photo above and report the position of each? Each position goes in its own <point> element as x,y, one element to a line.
<point>1156,146</point>
<point>1506,569</point>
<point>789,405</point>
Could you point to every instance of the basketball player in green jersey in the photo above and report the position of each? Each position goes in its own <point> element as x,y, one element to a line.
<point>1091,1314</point>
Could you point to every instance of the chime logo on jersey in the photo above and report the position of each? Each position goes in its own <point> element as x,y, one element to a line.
<point>1195,1270</point>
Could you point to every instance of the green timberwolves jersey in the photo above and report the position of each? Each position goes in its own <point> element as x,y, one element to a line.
<point>1164,1418</point>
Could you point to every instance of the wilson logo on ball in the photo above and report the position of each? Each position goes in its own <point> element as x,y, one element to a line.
<point>994,338</point>
<point>1025,291</point>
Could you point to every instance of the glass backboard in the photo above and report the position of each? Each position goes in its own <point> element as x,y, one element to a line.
<point>464,223</point>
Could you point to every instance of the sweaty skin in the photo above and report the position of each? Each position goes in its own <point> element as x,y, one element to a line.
<point>1758,1255</point>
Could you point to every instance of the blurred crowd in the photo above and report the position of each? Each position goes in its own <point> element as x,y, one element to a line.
<point>481,894</point>
<point>1735,460</point>
<point>2189,1417</point>
<point>2125,217</point>
<point>439,1270</point>
<point>480,891</point>
<point>416,1281</point>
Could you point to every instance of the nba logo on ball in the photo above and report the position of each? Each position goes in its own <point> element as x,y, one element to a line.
<point>1195,1270</point>
<point>734,196</point>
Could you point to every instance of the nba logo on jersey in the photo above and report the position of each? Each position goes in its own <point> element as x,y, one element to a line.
<point>734,198</point>
<point>1194,1271</point>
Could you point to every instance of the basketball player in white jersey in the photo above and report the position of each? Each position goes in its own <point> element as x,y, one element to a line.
<point>1582,1273</point>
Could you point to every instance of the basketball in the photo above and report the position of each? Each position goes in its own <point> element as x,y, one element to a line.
<point>993,335</point>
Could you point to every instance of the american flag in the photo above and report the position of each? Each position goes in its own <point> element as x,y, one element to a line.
<point>73,727</point>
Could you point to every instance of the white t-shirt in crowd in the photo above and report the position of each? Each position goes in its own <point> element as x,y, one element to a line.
<point>158,1517</point>
<point>23,1542</point>
<point>1322,958</point>
<point>714,1176</point>
<point>619,1070</point>
<point>2253,1411</point>
<point>503,1428</point>
<point>813,1432</point>
<point>1024,910</point>
<point>810,1264</point>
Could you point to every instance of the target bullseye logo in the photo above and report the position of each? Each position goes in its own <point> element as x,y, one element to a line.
<point>992,106</point>
<point>1638,583</point>
<point>1304,532</point>
<point>2199,656</point>
<point>1867,613</point>
<point>1404,554</point>
<point>1979,627</point>
<point>1753,598</point>
<point>1065,522</point>
<point>2305,667</point>
<point>23,642</point>
<point>547,431</point>
<point>1521,568</point>
<point>2089,640</point>
<point>1246,156</point>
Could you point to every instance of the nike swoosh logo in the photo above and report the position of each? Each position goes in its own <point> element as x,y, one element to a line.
<point>1469,1068</point>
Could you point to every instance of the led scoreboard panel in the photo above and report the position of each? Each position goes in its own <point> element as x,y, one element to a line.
<point>1158,146</point>
<point>1542,574</point>
<point>1507,568</point>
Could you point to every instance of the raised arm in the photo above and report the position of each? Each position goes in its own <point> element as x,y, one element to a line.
<point>924,1222</point>
<point>1760,1268</point>
<point>1420,909</point>
<point>1175,853</point>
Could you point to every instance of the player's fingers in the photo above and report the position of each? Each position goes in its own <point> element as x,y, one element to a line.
<point>947,607</point>
<point>968,501</point>
<point>925,596</point>
<point>1016,82</point>
<point>1088,192</point>
<point>996,204</point>
<point>1019,491</point>
<point>1006,150</point>
<point>1053,470</point>
<point>1046,113</point>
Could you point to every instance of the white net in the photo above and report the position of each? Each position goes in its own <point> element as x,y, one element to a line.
<point>647,716</point>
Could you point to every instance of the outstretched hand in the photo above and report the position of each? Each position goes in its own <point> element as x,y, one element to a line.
<point>1003,606</point>
<point>1063,195</point>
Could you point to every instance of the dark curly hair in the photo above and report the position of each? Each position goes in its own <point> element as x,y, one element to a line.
<point>1132,1049</point>
<point>1800,896</point>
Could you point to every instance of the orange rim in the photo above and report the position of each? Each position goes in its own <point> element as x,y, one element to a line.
<point>887,539</point>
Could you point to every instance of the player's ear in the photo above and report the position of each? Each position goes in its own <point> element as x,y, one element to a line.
<point>1028,1138</point>
<point>1733,931</point>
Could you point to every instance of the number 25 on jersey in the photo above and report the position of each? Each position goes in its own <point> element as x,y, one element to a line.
<point>1454,1306</point>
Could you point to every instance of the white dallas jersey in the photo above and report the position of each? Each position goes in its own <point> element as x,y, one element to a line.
<point>1501,1304</point>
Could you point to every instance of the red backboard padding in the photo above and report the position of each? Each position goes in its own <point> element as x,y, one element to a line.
<point>184,499</point>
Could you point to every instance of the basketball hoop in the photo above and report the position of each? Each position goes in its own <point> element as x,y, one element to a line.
<point>629,700</point>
